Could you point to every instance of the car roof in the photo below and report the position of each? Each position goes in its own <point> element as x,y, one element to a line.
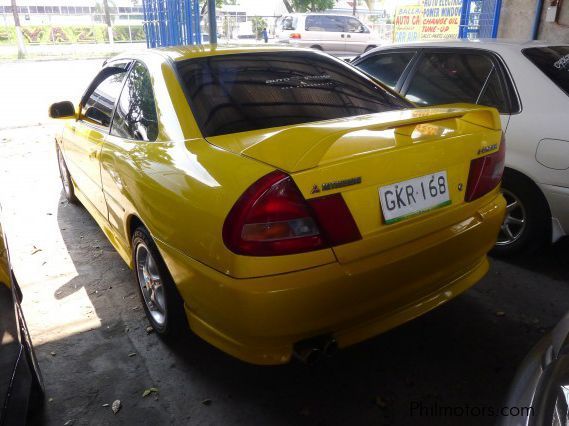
<point>488,44</point>
<point>181,53</point>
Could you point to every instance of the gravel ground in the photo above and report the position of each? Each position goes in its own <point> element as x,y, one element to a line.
<point>90,331</point>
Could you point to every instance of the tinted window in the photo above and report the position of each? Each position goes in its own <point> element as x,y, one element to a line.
<point>493,93</point>
<point>325,23</point>
<point>98,108</point>
<point>135,116</point>
<point>443,78</point>
<point>289,23</point>
<point>387,67</point>
<point>553,61</point>
<point>355,26</point>
<point>241,92</point>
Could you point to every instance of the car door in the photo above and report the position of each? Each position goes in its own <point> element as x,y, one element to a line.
<point>357,35</point>
<point>83,141</point>
<point>458,75</point>
<point>326,31</point>
<point>130,146</point>
<point>388,67</point>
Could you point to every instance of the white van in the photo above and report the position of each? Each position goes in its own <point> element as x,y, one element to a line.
<point>331,33</point>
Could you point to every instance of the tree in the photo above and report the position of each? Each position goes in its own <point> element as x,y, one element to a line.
<point>19,35</point>
<point>108,21</point>
<point>258,24</point>
<point>302,6</point>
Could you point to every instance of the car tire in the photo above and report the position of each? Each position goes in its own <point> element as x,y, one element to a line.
<point>37,391</point>
<point>162,303</point>
<point>37,394</point>
<point>66,180</point>
<point>527,225</point>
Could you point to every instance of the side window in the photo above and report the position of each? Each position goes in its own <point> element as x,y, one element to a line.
<point>493,93</point>
<point>355,26</point>
<point>135,116</point>
<point>98,107</point>
<point>443,78</point>
<point>387,67</point>
<point>325,23</point>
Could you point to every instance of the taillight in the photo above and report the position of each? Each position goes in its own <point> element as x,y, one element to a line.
<point>335,220</point>
<point>485,173</point>
<point>272,218</point>
<point>295,35</point>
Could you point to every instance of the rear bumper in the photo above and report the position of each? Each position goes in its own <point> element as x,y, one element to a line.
<point>260,319</point>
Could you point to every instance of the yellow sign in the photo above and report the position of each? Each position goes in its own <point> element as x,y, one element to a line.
<point>408,24</point>
<point>431,20</point>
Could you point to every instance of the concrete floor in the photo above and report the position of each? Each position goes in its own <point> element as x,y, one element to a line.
<point>86,319</point>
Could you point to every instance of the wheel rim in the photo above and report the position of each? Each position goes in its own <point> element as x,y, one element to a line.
<point>151,284</point>
<point>515,221</point>
<point>63,173</point>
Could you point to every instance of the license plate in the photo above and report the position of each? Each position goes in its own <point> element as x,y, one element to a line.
<point>410,197</point>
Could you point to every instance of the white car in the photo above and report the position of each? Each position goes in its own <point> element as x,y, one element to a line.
<point>528,82</point>
<point>337,34</point>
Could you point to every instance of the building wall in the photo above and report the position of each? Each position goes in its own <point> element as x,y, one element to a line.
<point>517,16</point>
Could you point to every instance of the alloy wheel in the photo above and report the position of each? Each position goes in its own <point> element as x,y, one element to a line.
<point>151,284</point>
<point>515,221</point>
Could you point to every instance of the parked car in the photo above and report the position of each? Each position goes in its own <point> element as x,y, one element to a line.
<point>280,199</point>
<point>338,34</point>
<point>528,82</point>
<point>21,384</point>
<point>542,381</point>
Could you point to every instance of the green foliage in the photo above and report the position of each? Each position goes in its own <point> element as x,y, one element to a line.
<point>120,33</point>
<point>7,35</point>
<point>311,5</point>
<point>219,3</point>
<point>257,24</point>
<point>45,34</point>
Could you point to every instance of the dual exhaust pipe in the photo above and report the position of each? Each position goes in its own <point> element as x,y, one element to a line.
<point>311,351</point>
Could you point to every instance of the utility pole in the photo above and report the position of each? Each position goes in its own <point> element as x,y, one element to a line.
<point>19,35</point>
<point>108,21</point>
<point>212,22</point>
<point>355,7</point>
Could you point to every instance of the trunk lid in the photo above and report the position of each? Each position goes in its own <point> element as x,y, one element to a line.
<point>358,156</point>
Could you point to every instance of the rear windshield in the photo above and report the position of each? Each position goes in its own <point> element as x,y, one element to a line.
<point>289,23</point>
<point>250,91</point>
<point>553,61</point>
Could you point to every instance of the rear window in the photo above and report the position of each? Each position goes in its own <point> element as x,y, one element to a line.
<point>553,61</point>
<point>387,67</point>
<point>250,91</point>
<point>289,23</point>
<point>449,77</point>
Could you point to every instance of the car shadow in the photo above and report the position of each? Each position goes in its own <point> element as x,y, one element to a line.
<point>461,354</point>
<point>551,261</point>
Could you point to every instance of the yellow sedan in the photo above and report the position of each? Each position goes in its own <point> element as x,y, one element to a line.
<point>279,201</point>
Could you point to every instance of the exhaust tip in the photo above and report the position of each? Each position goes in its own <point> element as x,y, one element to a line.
<point>312,350</point>
<point>308,356</point>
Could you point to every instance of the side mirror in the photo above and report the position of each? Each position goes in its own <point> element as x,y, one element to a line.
<point>63,109</point>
